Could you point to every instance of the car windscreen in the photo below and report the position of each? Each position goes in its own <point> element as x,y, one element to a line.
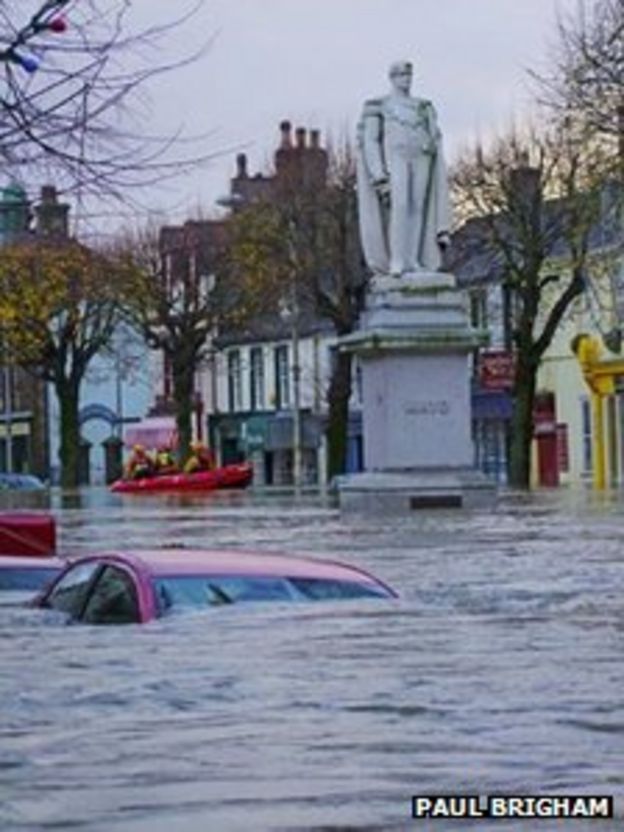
<point>200,591</point>
<point>70,592</point>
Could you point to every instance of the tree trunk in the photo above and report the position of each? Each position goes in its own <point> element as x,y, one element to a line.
<point>67,393</point>
<point>522,426</point>
<point>183,390</point>
<point>338,397</point>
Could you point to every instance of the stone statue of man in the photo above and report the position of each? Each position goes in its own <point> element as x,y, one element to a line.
<point>402,183</point>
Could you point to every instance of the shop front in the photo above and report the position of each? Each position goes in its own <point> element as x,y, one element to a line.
<point>266,440</point>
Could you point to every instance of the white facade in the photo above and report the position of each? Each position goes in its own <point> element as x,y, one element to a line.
<point>259,376</point>
<point>254,386</point>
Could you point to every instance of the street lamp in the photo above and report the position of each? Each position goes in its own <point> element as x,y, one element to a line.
<point>8,418</point>
<point>8,410</point>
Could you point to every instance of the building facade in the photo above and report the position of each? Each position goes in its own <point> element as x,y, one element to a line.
<point>565,420</point>
<point>24,439</point>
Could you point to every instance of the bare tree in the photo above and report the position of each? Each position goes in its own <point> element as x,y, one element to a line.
<point>74,79</point>
<point>532,205</point>
<point>587,76</point>
<point>172,298</point>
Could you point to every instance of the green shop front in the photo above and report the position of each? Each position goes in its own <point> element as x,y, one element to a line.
<point>267,440</point>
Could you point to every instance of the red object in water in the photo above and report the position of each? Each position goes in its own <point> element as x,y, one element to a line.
<point>229,476</point>
<point>33,535</point>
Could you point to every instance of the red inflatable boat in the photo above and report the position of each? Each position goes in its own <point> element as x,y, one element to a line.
<point>230,476</point>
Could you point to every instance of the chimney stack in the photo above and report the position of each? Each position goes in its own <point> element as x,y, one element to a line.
<point>241,166</point>
<point>315,139</point>
<point>300,134</point>
<point>285,128</point>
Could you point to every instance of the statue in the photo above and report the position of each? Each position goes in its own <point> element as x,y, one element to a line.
<point>402,185</point>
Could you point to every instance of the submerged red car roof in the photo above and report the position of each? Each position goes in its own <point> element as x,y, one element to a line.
<point>160,562</point>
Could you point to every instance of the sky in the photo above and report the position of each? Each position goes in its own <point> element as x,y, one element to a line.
<point>315,61</point>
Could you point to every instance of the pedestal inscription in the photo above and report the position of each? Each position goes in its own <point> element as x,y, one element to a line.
<point>416,411</point>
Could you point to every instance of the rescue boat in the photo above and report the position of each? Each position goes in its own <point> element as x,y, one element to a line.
<point>228,476</point>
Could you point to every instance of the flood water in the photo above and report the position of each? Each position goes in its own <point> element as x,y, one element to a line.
<point>500,669</point>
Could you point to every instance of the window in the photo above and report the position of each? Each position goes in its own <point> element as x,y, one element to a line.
<point>256,378</point>
<point>196,591</point>
<point>478,309</point>
<point>234,381</point>
<point>358,389</point>
<point>315,589</point>
<point>113,599</point>
<point>70,593</point>
<point>282,377</point>
<point>177,592</point>
<point>7,386</point>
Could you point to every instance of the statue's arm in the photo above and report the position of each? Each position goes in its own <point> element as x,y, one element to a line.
<point>434,130</point>
<point>372,145</point>
<point>443,213</point>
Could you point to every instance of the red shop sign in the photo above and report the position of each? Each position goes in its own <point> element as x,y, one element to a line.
<point>497,369</point>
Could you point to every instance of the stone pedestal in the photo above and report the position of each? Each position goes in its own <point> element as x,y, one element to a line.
<point>414,345</point>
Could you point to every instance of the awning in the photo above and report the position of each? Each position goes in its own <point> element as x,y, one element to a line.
<point>492,404</point>
<point>154,432</point>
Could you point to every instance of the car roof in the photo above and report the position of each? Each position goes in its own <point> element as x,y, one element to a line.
<point>30,562</point>
<point>180,562</point>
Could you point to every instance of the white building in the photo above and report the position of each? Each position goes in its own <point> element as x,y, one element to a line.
<point>253,407</point>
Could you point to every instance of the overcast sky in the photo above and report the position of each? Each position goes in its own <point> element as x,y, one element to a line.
<point>315,61</point>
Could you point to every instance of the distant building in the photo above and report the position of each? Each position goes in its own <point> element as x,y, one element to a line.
<point>253,408</point>
<point>244,392</point>
<point>24,445</point>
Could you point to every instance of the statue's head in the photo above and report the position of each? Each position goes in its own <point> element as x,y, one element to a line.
<point>400,75</point>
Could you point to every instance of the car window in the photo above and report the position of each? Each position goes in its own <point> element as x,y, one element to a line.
<point>70,593</point>
<point>201,591</point>
<point>26,578</point>
<point>113,599</point>
<point>322,590</point>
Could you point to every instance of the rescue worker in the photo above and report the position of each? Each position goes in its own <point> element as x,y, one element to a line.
<point>201,459</point>
<point>164,461</point>
<point>139,464</point>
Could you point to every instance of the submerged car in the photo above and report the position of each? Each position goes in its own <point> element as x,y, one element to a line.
<point>21,482</point>
<point>27,550</point>
<point>23,572</point>
<point>140,586</point>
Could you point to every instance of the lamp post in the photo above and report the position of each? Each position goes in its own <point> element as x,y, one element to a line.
<point>8,409</point>
<point>8,417</point>
<point>296,373</point>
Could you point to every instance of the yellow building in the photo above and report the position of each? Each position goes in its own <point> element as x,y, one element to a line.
<point>587,380</point>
